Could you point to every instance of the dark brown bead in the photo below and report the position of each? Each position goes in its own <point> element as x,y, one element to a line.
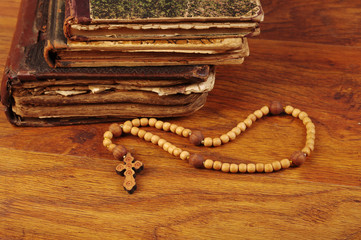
<point>196,160</point>
<point>196,138</point>
<point>119,152</point>
<point>298,158</point>
<point>115,129</point>
<point>276,108</point>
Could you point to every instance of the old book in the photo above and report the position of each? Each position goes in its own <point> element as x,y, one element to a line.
<point>36,95</point>
<point>61,52</point>
<point>142,19</point>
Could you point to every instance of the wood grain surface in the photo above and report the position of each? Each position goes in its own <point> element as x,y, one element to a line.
<point>60,182</point>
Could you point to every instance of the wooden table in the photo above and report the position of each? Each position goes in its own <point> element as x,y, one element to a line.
<point>60,183</point>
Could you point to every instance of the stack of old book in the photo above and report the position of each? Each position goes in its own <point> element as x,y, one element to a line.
<point>83,61</point>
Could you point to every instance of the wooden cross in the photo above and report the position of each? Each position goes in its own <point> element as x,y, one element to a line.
<point>128,168</point>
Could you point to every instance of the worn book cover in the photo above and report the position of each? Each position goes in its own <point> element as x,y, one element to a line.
<point>161,19</point>
<point>35,94</point>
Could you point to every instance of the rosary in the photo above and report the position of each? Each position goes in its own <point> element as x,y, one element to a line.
<point>129,167</point>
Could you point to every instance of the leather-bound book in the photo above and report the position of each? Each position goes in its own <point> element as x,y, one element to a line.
<point>35,94</point>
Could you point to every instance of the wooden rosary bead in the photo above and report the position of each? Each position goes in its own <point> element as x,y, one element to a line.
<point>128,123</point>
<point>217,165</point>
<point>258,114</point>
<point>152,122</point>
<point>111,147</point>
<point>186,132</point>
<point>289,109</point>
<point>259,167</point>
<point>144,122</point>
<point>296,112</point>
<point>242,168</point>
<point>224,138</point>
<point>177,152</point>
<point>237,130</point>
<point>136,122</point>
<point>231,135</point>
<point>107,142</point>
<point>248,122</point>
<point>297,158</point>
<point>285,163</point>
<point>179,130</point>
<point>268,168</point>
<point>119,152</point>
<point>251,168</point>
<point>155,139</point>
<point>184,155</point>
<point>306,150</point>
<point>242,126</point>
<point>217,142</point>
<point>276,108</point>
<point>306,120</point>
<point>225,167</point>
<point>302,115</point>
<point>171,148</point>
<point>252,117</point>
<point>196,160</point>
<point>108,134</point>
<point>208,164</point>
<point>166,126</point>
<point>173,127</point>
<point>233,168</point>
<point>134,131</point>
<point>159,124</point>
<point>207,142</point>
<point>127,128</point>
<point>166,146</point>
<point>148,136</point>
<point>161,142</point>
<point>265,110</point>
<point>196,138</point>
<point>276,166</point>
<point>116,130</point>
<point>141,133</point>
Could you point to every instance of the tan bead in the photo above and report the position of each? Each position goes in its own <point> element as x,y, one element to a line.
<point>306,150</point>
<point>152,122</point>
<point>310,142</point>
<point>166,126</point>
<point>173,127</point>
<point>148,136</point>
<point>134,131</point>
<point>144,122</point>
<point>196,138</point>
<point>161,142</point>
<point>184,155</point>
<point>258,114</point>
<point>233,168</point>
<point>208,164</point>
<point>265,110</point>
<point>297,158</point>
<point>186,132</point>
<point>225,167</point>
<point>289,109</point>
<point>276,166</point>
<point>159,124</point>
<point>311,136</point>
<point>248,122</point>
<point>252,117</point>
<point>208,142</point>
<point>116,130</point>
<point>119,152</point>
<point>310,126</point>
<point>111,147</point>
<point>242,168</point>
<point>311,146</point>
<point>177,152</point>
<point>126,123</point>
<point>127,128</point>
<point>276,108</point>
<point>217,165</point>
<point>268,168</point>
<point>217,142</point>
<point>224,138</point>
<point>155,139</point>
<point>311,131</point>
<point>171,148</point>
<point>237,130</point>
<point>136,122</point>
<point>179,130</point>
<point>251,167</point>
<point>296,112</point>
<point>196,160</point>
<point>302,115</point>
<point>141,133</point>
<point>108,134</point>
<point>242,126</point>
<point>259,167</point>
<point>231,135</point>
<point>107,142</point>
<point>166,146</point>
<point>306,120</point>
<point>285,163</point>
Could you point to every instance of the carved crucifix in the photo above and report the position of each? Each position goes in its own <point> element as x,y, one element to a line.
<point>128,169</point>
